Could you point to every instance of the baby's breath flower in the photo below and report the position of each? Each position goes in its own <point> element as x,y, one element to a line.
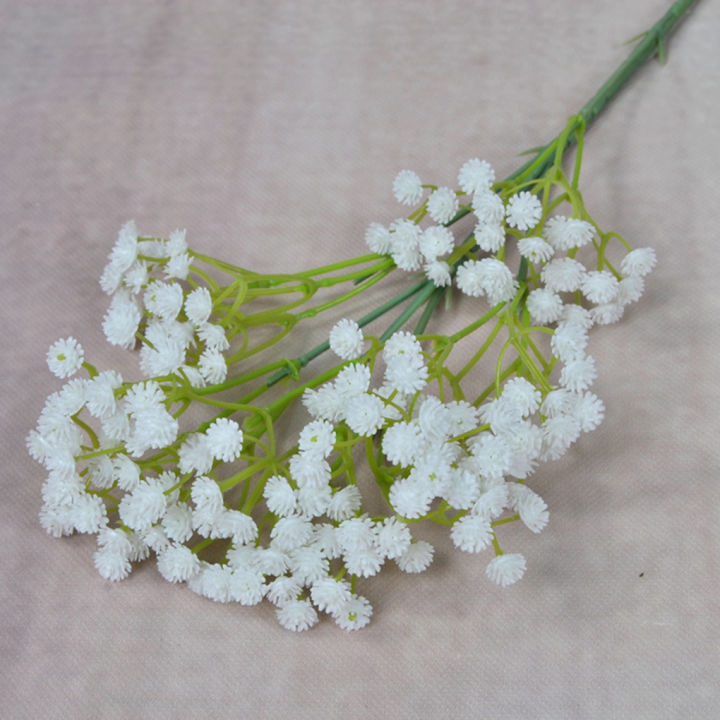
<point>438,272</point>
<point>177,243</point>
<point>411,498</point>
<point>178,266</point>
<point>405,244</point>
<point>344,503</point>
<point>486,277</point>
<point>436,241</point>
<point>195,454</point>
<point>296,615</point>
<point>523,211</point>
<point>506,569</point>
<point>638,262</point>
<point>565,233</point>
<point>563,275</point>
<point>578,374</point>
<point>535,249</point>
<point>544,306</point>
<point>489,237</point>
<point>471,533</point>
<point>177,563</point>
<point>308,468</point>
<point>378,238</point>
<point>346,339</point>
<point>407,188</point>
<point>317,437</point>
<point>198,306</point>
<point>330,595</point>
<point>65,357</point>
<point>212,365</point>
<point>630,289</point>
<point>392,538</point>
<point>588,409</point>
<point>475,176</point>
<point>354,614</point>
<point>352,381</point>
<point>407,374</point>
<point>224,439</point>
<point>599,286</point>
<point>279,496</point>
<point>607,313</point>
<point>164,299</point>
<point>121,321</point>
<point>416,558</point>
<point>323,403</point>
<point>289,521</point>
<point>283,590</point>
<point>291,532</point>
<point>442,205</point>
<point>177,522</point>
<point>365,414</point>
<point>569,341</point>
<point>314,500</point>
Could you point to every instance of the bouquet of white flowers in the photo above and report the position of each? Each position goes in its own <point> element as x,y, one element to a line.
<point>189,463</point>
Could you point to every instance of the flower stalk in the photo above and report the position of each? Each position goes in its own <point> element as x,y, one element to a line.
<point>193,463</point>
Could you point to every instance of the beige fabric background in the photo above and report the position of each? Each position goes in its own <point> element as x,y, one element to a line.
<point>272,132</point>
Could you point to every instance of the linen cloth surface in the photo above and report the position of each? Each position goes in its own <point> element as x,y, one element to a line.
<point>272,132</point>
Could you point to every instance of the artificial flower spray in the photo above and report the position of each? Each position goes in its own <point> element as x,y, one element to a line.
<point>189,464</point>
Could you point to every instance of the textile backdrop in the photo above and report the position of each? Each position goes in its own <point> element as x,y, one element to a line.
<point>272,132</point>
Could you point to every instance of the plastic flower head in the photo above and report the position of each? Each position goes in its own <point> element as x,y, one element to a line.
<point>524,211</point>
<point>435,241</point>
<point>354,614</point>
<point>378,238</point>
<point>488,208</point>
<point>279,496</point>
<point>475,176</point>
<point>346,339</point>
<point>506,569</point>
<point>164,299</point>
<point>317,437</point>
<point>198,306</point>
<point>122,320</point>
<point>330,595</point>
<point>65,357</point>
<point>212,365</point>
<point>442,205</point>
<point>296,615</point>
<point>471,533</point>
<point>600,286</point>
<point>486,277</point>
<point>578,374</point>
<point>638,262</point>
<point>439,272</point>
<point>490,237</point>
<point>565,233</point>
<point>563,274</point>
<point>416,558</point>
<point>125,249</point>
<point>535,249</point>
<point>405,245</point>
<point>544,305</point>
<point>224,439</point>
<point>407,188</point>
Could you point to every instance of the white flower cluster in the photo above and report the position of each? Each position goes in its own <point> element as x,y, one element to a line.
<point>148,301</point>
<point>413,248</point>
<point>120,466</point>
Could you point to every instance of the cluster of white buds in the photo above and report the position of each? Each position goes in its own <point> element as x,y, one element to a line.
<point>123,462</point>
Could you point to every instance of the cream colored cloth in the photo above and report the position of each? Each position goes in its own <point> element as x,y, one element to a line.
<point>272,131</point>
